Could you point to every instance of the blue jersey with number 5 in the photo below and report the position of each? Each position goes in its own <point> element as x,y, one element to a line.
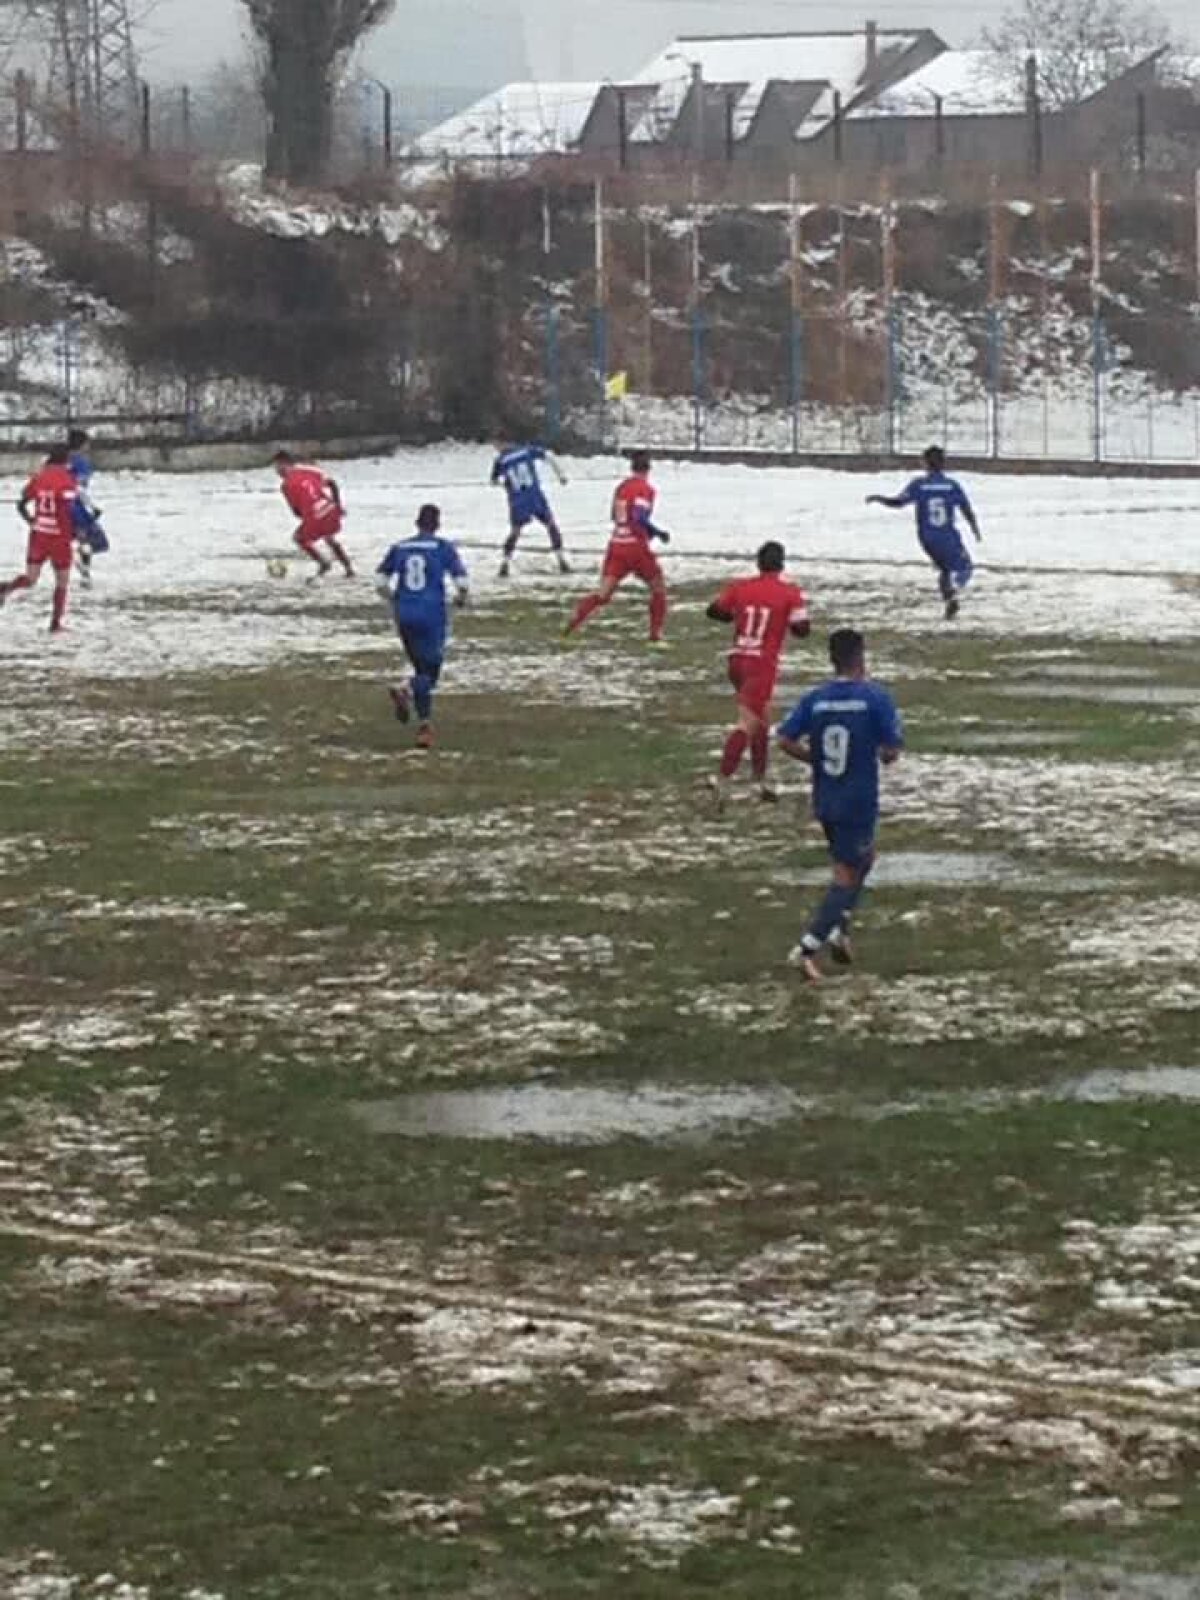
<point>847,722</point>
<point>421,567</point>
<point>937,499</point>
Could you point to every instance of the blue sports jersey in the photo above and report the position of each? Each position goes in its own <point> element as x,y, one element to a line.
<point>847,722</point>
<point>937,499</point>
<point>517,470</point>
<point>421,567</point>
<point>80,468</point>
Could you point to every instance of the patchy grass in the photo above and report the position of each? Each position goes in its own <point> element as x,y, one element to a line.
<point>238,906</point>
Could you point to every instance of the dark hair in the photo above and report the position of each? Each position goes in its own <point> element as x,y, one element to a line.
<point>429,519</point>
<point>771,556</point>
<point>935,458</point>
<point>846,648</point>
<point>58,455</point>
<point>77,438</point>
<point>640,462</point>
<point>281,456</point>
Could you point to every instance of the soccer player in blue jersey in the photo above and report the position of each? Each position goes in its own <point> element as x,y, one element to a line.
<point>412,577</point>
<point>844,730</point>
<point>516,469</point>
<point>938,499</point>
<point>90,537</point>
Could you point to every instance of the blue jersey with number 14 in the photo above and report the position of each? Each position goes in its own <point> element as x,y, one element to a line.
<point>421,567</point>
<point>847,722</point>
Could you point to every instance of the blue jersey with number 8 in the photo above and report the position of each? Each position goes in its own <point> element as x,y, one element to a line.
<point>847,722</point>
<point>421,567</point>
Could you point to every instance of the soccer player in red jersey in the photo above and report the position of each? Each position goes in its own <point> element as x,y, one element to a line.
<point>763,610</point>
<point>47,505</point>
<point>629,554</point>
<point>317,501</point>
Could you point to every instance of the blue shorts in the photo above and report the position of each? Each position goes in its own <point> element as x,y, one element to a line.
<point>851,842</point>
<point>529,506</point>
<point>951,558</point>
<point>424,641</point>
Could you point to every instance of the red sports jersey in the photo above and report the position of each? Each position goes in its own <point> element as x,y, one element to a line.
<point>763,609</point>
<point>310,494</point>
<point>633,505</point>
<point>52,492</point>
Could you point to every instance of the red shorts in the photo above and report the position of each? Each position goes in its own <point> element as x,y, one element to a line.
<point>56,548</point>
<point>753,677</point>
<point>631,558</point>
<point>314,529</point>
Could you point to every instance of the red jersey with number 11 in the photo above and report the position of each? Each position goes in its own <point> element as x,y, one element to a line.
<point>763,609</point>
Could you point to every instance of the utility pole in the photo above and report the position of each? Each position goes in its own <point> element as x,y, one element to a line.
<point>698,97</point>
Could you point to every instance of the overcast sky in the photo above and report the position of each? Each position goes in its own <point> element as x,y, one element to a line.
<point>481,43</point>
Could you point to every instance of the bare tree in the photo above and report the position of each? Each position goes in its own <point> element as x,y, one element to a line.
<point>1080,45</point>
<point>304,42</point>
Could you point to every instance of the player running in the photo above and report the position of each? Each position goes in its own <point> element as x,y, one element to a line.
<point>843,730</point>
<point>763,610</point>
<point>315,498</point>
<point>412,577</point>
<point>47,505</point>
<point>629,554</point>
<point>937,499</point>
<point>516,468</point>
<point>90,537</point>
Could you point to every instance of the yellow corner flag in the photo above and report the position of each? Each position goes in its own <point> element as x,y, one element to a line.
<point>616,387</point>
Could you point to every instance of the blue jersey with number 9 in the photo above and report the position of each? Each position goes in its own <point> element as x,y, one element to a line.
<point>421,567</point>
<point>847,722</point>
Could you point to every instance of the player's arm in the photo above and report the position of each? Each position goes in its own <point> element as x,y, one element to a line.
<point>641,519</point>
<point>457,569</point>
<point>25,503</point>
<point>792,734</point>
<point>335,493</point>
<point>889,730</point>
<point>497,470</point>
<point>721,609</point>
<point>969,517</point>
<point>385,574</point>
<point>552,463</point>
<point>800,623</point>
<point>895,502</point>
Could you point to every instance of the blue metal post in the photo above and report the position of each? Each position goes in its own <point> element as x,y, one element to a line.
<point>995,346</point>
<point>892,381</point>
<point>1097,387</point>
<point>553,376</point>
<point>697,378</point>
<point>796,376</point>
<point>600,364</point>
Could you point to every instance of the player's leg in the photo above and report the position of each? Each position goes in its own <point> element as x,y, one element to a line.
<point>611,579</point>
<point>547,519</point>
<point>307,539</point>
<point>429,649</point>
<point>853,856</point>
<point>62,585</point>
<point>756,698</point>
<point>23,580</point>
<point>651,574</point>
<point>516,526</point>
<point>339,551</point>
<point>83,561</point>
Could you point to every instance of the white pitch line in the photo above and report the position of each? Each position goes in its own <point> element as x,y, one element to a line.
<point>1079,1394</point>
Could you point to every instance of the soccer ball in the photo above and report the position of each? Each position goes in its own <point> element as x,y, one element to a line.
<point>277,567</point>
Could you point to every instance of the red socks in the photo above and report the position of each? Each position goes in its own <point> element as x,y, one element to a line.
<point>589,603</point>
<point>735,749</point>
<point>60,606</point>
<point>658,614</point>
<point>759,753</point>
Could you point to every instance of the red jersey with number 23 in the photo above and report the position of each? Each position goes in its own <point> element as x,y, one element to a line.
<point>763,609</point>
<point>52,493</point>
<point>633,506</point>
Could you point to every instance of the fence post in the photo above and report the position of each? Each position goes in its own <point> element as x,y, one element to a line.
<point>795,319</point>
<point>185,121</point>
<point>600,313</point>
<point>1095,229</point>
<point>553,380</point>
<point>888,261</point>
<point>697,322</point>
<point>995,346</point>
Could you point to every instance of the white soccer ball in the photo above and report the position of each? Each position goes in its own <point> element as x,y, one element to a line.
<point>277,567</point>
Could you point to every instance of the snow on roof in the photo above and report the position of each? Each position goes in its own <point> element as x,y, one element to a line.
<point>757,59</point>
<point>965,81</point>
<point>520,120</point>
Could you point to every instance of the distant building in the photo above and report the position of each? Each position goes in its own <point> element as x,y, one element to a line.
<point>875,98</point>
